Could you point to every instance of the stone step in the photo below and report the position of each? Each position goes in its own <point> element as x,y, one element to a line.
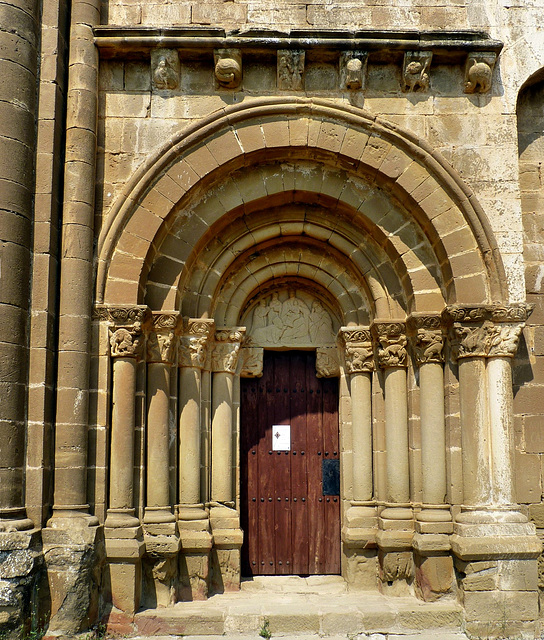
<point>290,608</point>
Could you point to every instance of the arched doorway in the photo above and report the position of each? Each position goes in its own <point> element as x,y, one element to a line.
<point>336,205</point>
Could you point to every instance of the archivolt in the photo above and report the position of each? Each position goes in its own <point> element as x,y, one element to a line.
<point>415,218</point>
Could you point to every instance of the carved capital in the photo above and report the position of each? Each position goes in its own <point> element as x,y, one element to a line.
<point>427,338</point>
<point>226,349</point>
<point>415,70</point>
<point>505,339</point>
<point>327,364</point>
<point>358,349</point>
<point>391,338</point>
<point>479,72</point>
<point>123,315</point>
<point>353,66</point>
<point>486,331</point>
<point>251,362</point>
<point>290,70</point>
<point>192,350</point>
<point>228,67</point>
<point>161,338</point>
<point>126,342</point>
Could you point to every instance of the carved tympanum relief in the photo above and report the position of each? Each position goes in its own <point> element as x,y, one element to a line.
<point>290,319</point>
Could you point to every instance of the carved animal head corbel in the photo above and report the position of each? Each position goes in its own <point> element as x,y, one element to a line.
<point>228,68</point>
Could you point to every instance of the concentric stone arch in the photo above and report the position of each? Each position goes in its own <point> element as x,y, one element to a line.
<point>181,174</point>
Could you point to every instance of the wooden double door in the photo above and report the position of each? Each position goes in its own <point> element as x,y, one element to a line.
<point>290,469</point>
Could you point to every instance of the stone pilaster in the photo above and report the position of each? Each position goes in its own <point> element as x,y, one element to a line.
<point>396,519</point>
<point>224,519</point>
<point>124,542</point>
<point>431,542</point>
<point>193,521</point>
<point>490,534</point>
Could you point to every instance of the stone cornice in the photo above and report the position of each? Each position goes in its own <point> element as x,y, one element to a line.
<point>382,45</point>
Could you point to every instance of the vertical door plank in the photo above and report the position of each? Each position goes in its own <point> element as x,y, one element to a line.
<point>266,474</point>
<point>331,557</point>
<point>281,467</point>
<point>298,456</point>
<point>315,456</point>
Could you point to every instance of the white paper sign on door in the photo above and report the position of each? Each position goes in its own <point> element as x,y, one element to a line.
<point>281,437</point>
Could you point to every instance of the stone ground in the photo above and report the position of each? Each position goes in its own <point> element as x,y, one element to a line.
<point>310,608</point>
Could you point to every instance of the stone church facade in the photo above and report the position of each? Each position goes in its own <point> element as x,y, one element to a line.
<point>226,222</point>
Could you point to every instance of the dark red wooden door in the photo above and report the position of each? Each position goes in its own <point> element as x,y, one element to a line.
<point>291,521</point>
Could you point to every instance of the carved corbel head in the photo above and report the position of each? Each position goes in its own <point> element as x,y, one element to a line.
<point>479,72</point>
<point>353,66</point>
<point>415,70</point>
<point>165,69</point>
<point>228,68</point>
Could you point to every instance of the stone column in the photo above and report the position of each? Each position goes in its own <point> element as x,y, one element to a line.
<point>124,542</point>
<point>433,562</point>
<point>490,526</point>
<point>395,521</point>
<point>193,522</point>
<point>224,518</point>
<point>361,522</point>
<point>160,532</point>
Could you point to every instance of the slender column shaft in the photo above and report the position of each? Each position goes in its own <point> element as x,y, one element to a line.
<point>361,415</point>
<point>18,72</point>
<point>76,274</point>
<point>396,435</point>
<point>189,428</point>
<point>222,418</point>
<point>499,376</point>
<point>433,432</point>
<point>122,434</point>
<point>474,415</point>
<point>205,422</point>
<point>158,399</point>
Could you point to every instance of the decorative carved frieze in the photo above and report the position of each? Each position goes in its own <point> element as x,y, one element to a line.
<point>353,66</point>
<point>391,338</point>
<point>427,338</point>
<point>228,67</point>
<point>290,70</point>
<point>358,349</point>
<point>251,362</point>
<point>122,315</point>
<point>486,331</point>
<point>327,364</point>
<point>193,344</point>
<point>165,69</point>
<point>479,72</point>
<point>226,349</point>
<point>415,70</point>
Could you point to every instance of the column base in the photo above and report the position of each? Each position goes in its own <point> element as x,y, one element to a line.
<point>227,543</point>
<point>124,551</point>
<point>74,558</point>
<point>496,554</point>
<point>194,560</point>
<point>160,571</point>
<point>394,539</point>
<point>22,558</point>
<point>359,542</point>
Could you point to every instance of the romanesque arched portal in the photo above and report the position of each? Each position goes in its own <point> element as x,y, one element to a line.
<point>298,225</point>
